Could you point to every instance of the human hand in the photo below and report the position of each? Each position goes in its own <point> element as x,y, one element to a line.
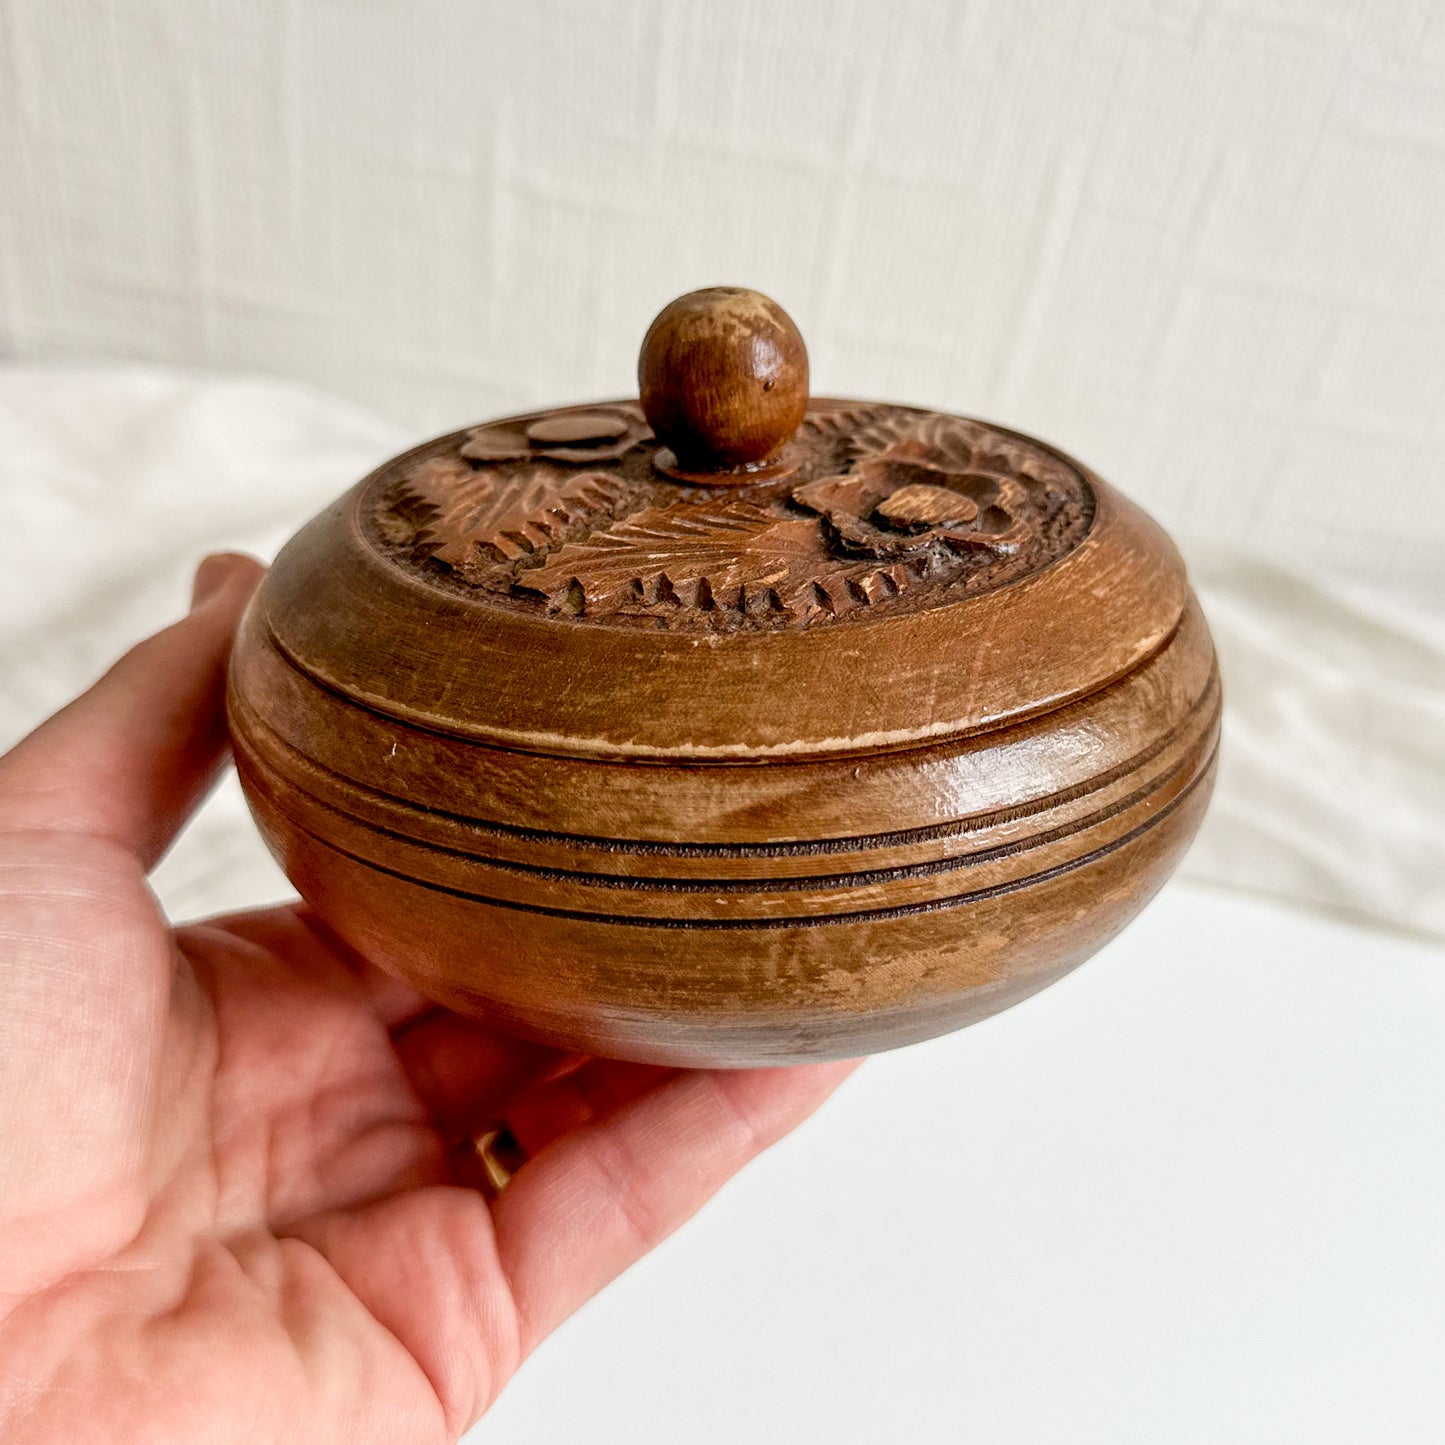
<point>237,1192</point>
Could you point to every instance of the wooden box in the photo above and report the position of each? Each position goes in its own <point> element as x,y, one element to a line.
<point>732,727</point>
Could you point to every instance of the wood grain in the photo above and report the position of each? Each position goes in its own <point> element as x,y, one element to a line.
<point>723,378</point>
<point>861,751</point>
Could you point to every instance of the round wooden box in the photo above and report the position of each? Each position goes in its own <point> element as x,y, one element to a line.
<point>731,727</point>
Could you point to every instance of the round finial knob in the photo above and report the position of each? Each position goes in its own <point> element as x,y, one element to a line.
<point>723,375</point>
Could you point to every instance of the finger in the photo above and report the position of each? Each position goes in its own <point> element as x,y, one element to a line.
<point>556,1106</point>
<point>466,1073</point>
<point>131,758</point>
<point>423,1265</point>
<point>489,1145</point>
<point>598,1199</point>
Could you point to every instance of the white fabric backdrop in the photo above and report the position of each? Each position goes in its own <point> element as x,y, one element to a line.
<point>1332,780</point>
<point>1201,243</point>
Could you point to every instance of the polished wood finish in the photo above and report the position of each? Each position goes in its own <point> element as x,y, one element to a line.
<point>723,377</point>
<point>859,752</point>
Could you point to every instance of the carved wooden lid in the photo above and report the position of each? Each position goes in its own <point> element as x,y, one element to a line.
<point>726,569</point>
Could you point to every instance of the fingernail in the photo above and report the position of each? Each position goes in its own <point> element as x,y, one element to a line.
<point>211,576</point>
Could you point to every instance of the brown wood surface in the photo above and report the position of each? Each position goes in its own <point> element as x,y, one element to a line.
<point>723,379</point>
<point>408,641</point>
<point>857,753</point>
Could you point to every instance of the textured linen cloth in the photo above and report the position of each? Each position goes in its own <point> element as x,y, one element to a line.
<point>117,480</point>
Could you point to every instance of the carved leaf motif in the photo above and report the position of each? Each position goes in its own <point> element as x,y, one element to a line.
<point>736,557</point>
<point>889,429</point>
<point>949,442</point>
<point>956,442</point>
<point>701,555</point>
<point>512,514</point>
<point>841,589</point>
<point>846,426</point>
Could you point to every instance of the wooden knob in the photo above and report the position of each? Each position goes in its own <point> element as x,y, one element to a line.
<point>723,375</point>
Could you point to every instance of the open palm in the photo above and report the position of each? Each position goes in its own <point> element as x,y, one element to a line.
<point>238,1195</point>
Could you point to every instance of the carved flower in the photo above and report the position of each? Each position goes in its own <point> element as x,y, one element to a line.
<point>905,499</point>
<point>580,436</point>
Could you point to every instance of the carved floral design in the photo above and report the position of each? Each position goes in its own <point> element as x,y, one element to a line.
<point>882,504</point>
<point>582,437</point>
<point>896,506</point>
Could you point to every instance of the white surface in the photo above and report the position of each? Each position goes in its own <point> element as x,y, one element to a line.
<point>1191,1195</point>
<point>1198,242</point>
